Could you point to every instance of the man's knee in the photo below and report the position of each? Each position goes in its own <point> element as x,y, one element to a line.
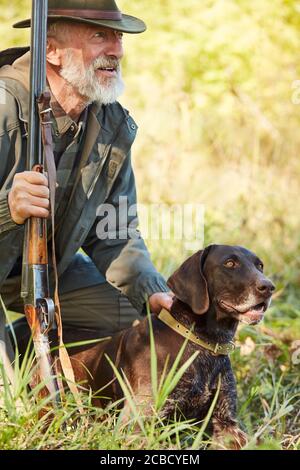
<point>101,307</point>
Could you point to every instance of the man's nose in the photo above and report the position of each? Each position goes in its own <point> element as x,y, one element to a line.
<point>265,286</point>
<point>115,48</point>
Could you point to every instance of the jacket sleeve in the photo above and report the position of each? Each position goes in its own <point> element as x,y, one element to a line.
<point>10,152</point>
<point>119,251</point>
<point>6,221</point>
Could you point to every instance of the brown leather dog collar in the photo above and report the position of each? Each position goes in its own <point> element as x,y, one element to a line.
<point>216,348</point>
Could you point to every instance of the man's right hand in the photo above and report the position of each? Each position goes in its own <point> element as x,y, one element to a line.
<point>29,196</point>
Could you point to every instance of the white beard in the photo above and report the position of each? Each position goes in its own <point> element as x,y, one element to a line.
<point>88,84</point>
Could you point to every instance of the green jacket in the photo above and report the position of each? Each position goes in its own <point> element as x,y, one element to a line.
<point>107,174</point>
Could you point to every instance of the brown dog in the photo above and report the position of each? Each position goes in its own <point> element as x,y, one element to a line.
<point>214,290</point>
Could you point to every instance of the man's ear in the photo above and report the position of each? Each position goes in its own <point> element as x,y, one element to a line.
<point>189,284</point>
<point>53,52</point>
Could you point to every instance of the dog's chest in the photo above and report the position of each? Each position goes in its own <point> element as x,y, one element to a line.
<point>192,400</point>
<point>195,391</point>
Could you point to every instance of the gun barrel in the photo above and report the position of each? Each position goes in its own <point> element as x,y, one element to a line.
<point>37,87</point>
<point>37,79</point>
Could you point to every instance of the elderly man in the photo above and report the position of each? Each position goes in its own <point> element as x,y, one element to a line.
<point>106,287</point>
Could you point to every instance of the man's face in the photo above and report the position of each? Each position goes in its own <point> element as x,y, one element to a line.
<point>90,62</point>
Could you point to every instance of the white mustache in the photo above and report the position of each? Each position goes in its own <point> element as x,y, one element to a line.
<point>106,62</point>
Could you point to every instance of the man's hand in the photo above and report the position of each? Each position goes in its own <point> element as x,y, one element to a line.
<point>160,300</point>
<point>29,196</point>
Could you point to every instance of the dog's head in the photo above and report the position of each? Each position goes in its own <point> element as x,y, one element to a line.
<point>228,277</point>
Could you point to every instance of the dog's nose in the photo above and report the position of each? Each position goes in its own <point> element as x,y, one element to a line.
<point>265,287</point>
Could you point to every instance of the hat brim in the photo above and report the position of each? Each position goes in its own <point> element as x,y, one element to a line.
<point>128,24</point>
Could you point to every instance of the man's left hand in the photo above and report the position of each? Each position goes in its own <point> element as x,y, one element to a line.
<point>160,300</point>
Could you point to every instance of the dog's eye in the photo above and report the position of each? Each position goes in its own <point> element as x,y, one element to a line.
<point>230,263</point>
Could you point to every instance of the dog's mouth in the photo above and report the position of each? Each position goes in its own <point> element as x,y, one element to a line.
<point>251,315</point>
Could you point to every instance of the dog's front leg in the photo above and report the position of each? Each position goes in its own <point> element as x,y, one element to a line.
<point>140,407</point>
<point>226,432</point>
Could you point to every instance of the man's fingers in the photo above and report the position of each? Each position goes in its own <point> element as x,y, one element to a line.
<point>38,190</point>
<point>167,301</point>
<point>161,300</point>
<point>38,212</point>
<point>23,199</point>
<point>39,202</point>
<point>27,210</point>
<point>29,196</point>
<point>22,188</point>
<point>32,177</point>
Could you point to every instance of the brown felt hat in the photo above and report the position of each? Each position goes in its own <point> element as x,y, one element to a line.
<point>95,12</point>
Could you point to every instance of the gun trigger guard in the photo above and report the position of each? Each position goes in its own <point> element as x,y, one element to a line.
<point>47,309</point>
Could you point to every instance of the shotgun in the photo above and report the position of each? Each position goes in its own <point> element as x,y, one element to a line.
<point>38,305</point>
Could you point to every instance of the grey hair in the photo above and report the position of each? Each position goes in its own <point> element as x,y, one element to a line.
<point>59,30</point>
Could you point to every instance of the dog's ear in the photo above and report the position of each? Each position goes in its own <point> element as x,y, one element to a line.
<point>189,284</point>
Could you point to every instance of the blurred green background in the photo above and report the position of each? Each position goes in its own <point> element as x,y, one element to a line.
<point>213,87</point>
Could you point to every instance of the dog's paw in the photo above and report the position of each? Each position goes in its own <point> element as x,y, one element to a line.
<point>231,438</point>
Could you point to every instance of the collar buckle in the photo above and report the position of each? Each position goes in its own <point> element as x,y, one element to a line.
<point>225,348</point>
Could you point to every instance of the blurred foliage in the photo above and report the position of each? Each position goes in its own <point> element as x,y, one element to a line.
<point>10,12</point>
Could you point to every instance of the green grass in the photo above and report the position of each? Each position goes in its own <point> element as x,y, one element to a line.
<point>268,390</point>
